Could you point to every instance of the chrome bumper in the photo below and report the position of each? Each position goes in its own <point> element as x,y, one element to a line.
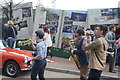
<point>25,69</point>
<point>29,65</point>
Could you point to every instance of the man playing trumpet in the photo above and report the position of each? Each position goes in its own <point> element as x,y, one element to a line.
<point>83,57</point>
<point>40,57</point>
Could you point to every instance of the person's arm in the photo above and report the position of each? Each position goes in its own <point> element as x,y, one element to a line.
<point>78,51</point>
<point>39,53</point>
<point>36,58</point>
<point>8,31</point>
<point>119,43</point>
<point>45,36</point>
<point>108,38</point>
<point>33,46</point>
<point>90,46</point>
<point>16,31</point>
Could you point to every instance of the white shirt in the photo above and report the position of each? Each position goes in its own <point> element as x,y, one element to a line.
<point>47,39</point>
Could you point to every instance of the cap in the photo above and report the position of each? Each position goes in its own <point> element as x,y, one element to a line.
<point>40,34</point>
<point>87,32</point>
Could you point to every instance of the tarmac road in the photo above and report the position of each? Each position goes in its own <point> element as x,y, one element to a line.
<point>48,74</point>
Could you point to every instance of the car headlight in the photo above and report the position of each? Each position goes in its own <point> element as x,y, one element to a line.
<point>25,59</point>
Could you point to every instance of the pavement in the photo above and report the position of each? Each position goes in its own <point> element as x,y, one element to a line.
<point>65,66</point>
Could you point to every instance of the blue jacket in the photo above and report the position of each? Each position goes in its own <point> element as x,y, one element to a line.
<point>83,58</point>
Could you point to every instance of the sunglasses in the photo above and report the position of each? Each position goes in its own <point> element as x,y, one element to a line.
<point>97,29</point>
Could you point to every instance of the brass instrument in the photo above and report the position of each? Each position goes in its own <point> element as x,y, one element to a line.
<point>27,42</point>
<point>65,42</point>
<point>74,57</point>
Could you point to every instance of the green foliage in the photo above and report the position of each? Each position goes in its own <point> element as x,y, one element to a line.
<point>49,14</point>
<point>58,52</point>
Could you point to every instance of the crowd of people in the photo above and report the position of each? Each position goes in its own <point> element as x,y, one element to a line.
<point>92,50</point>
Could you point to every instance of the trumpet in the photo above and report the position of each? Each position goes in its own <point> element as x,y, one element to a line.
<point>74,57</point>
<point>28,42</point>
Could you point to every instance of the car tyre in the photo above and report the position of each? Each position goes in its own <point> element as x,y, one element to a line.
<point>11,69</point>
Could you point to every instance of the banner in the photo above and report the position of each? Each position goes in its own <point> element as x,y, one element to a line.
<point>26,12</point>
<point>42,17</point>
<point>111,13</point>
<point>78,16</point>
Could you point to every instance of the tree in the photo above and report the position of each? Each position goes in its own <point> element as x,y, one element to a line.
<point>8,9</point>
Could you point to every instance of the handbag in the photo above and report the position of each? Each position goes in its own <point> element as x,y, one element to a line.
<point>110,50</point>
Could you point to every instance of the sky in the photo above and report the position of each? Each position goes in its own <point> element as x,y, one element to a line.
<point>73,4</point>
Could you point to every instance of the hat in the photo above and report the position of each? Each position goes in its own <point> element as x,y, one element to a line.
<point>88,32</point>
<point>40,34</point>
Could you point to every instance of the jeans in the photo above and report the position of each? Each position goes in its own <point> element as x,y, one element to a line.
<point>94,74</point>
<point>11,42</point>
<point>118,57</point>
<point>38,69</point>
<point>49,52</point>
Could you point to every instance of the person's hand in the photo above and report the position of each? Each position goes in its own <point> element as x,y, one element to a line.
<point>88,52</point>
<point>31,41</point>
<point>85,37</point>
<point>72,51</point>
<point>32,59</point>
<point>114,41</point>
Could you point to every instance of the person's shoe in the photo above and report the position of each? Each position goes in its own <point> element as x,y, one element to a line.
<point>112,71</point>
<point>52,59</point>
<point>48,60</point>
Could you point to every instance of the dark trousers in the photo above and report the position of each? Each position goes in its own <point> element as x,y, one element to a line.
<point>118,57</point>
<point>38,69</point>
<point>111,62</point>
<point>94,74</point>
<point>49,52</point>
<point>83,71</point>
<point>11,42</point>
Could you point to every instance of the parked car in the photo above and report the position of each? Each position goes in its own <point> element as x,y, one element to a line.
<point>13,61</point>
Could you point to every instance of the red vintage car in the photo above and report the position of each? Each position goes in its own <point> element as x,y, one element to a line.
<point>13,61</point>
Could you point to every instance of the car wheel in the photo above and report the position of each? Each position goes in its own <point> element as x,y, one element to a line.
<point>11,69</point>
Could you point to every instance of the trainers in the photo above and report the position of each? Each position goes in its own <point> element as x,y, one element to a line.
<point>52,59</point>
<point>48,60</point>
